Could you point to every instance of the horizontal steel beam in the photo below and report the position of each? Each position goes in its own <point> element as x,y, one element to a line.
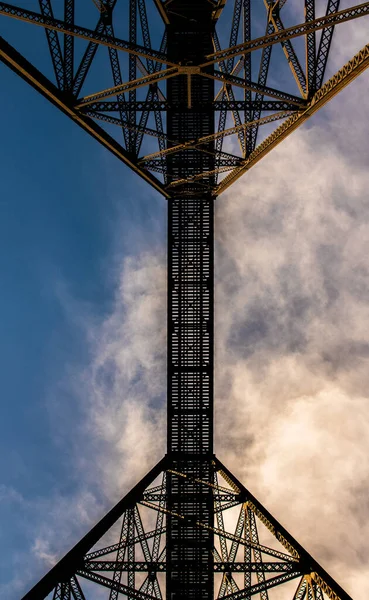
<point>152,497</point>
<point>218,567</point>
<point>173,72</point>
<point>217,105</point>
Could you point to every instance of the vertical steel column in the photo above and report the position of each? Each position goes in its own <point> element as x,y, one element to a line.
<point>190,399</point>
<point>190,315</point>
<point>190,323</point>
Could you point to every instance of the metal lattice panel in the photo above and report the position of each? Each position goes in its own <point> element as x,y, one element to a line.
<point>152,79</point>
<point>190,368</point>
<point>190,397</point>
<point>244,552</point>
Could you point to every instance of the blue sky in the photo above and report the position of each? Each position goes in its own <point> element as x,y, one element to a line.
<point>69,209</point>
<point>83,311</point>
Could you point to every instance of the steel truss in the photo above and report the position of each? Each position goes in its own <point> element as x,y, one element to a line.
<point>189,529</point>
<point>252,554</point>
<point>137,101</point>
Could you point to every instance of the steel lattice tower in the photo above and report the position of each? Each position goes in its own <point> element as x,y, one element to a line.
<point>167,537</point>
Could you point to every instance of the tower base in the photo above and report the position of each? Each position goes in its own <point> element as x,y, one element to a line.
<point>124,555</point>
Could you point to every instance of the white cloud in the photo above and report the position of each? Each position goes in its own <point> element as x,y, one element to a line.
<point>41,550</point>
<point>126,382</point>
<point>292,353</point>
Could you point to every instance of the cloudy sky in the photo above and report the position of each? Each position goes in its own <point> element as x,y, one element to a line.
<point>83,331</point>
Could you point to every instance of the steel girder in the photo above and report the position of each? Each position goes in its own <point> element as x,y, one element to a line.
<point>216,106</point>
<point>171,529</point>
<point>190,312</point>
<point>341,79</point>
<point>137,564</point>
<point>135,115</point>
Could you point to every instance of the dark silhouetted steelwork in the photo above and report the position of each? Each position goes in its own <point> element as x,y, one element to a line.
<point>189,529</point>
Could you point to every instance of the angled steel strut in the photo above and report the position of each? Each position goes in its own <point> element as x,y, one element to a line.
<point>188,530</point>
